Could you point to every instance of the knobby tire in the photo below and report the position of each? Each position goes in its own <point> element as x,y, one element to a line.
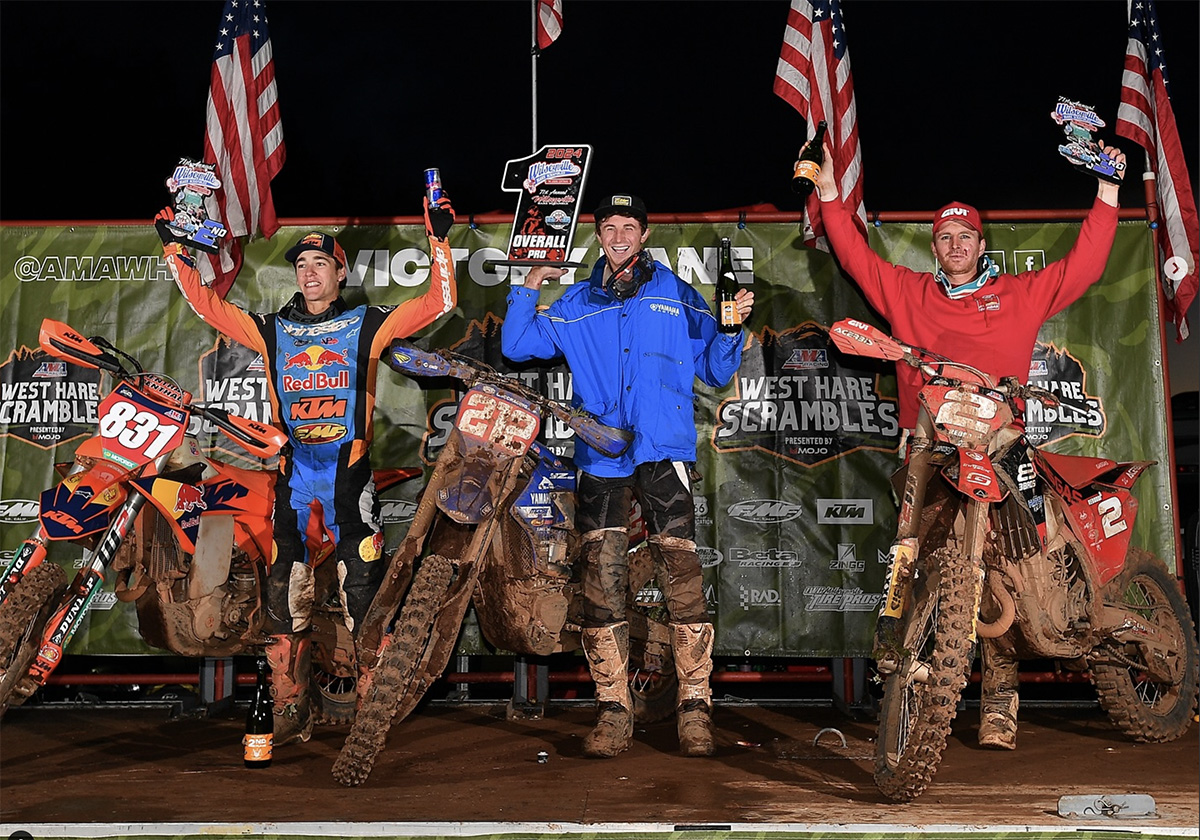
<point>22,618</point>
<point>915,717</point>
<point>394,672</point>
<point>1140,707</point>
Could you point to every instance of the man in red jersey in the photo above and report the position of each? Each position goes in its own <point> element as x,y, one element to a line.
<point>970,312</point>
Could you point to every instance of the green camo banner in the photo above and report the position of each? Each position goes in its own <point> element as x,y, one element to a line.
<point>794,511</point>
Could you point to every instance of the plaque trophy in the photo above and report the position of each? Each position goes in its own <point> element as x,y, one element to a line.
<point>550,186</point>
<point>1078,121</point>
<point>190,184</point>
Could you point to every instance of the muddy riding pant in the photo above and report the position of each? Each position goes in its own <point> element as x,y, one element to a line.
<point>343,498</point>
<point>665,494</point>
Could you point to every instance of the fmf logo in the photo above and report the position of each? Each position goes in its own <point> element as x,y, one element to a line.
<point>764,511</point>
<point>315,433</point>
<point>845,512</point>
<point>397,510</point>
<point>18,510</point>
<point>750,597</point>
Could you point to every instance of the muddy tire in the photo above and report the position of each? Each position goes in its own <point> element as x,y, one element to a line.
<point>1140,707</point>
<point>654,694</point>
<point>917,710</point>
<point>394,672</point>
<point>653,683</point>
<point>22,619</point>
<point>335,697</point>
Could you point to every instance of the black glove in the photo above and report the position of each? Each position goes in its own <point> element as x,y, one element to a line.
<point>439,218</point>
<point>161,224</point>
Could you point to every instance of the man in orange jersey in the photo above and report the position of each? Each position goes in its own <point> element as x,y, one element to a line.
<point>322,358</point>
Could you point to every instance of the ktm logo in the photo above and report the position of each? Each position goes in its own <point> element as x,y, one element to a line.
<point>64,519</point>
<point>315,433</point>
<point>318,408</point>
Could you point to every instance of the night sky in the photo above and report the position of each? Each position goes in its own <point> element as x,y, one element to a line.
<point>98,100</point>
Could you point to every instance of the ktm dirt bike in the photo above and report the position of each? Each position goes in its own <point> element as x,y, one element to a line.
<point>1004,541</point>
<point>494,526</point>
<point>194,561</point>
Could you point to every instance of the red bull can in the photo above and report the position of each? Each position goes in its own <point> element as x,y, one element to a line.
<point>433,185</point>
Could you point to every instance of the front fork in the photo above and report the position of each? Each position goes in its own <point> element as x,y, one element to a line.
<point>906,547</point>
<point>66,620</point>
<point>30,555</point>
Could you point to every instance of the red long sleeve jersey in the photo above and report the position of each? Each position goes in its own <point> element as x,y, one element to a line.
<point>995,328</point>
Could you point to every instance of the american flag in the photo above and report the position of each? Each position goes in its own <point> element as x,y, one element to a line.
<point>549,22</point>
<point>1145,116</point>
<point>243,135</point>
<point>813,75</point>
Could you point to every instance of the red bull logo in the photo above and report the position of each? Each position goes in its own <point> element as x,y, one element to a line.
<point>315,358</point>
<point>188,498</point>
<point>318,381</point>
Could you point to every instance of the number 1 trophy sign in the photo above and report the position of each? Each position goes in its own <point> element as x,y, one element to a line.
<point>550,183</point>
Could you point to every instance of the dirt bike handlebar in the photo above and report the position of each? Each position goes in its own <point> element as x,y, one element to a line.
<point>859,339</point>
<point>407,358</point>
<point>62,341</point>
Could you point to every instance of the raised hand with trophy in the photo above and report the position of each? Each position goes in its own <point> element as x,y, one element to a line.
<point>1078,121</point>
<point>550,183</point>
<point>190,184</point>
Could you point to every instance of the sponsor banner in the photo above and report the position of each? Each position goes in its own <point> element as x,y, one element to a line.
<point>794,508</point>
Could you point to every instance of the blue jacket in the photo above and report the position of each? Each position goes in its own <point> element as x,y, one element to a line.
<point>633,363</point>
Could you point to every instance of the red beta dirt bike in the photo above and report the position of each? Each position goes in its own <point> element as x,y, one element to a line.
<point>1001,540</point>
<point>194,560</point>
<point>494,527</point>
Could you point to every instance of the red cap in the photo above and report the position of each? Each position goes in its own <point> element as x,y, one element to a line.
<point>317,241</point>
<point>956,211</point>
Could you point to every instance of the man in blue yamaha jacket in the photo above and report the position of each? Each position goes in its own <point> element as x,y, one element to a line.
<point>635,337</point>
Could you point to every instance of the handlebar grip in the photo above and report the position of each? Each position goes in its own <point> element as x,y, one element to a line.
<point>259,438</point>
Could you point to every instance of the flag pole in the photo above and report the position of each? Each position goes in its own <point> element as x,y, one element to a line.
<point>533,6</point>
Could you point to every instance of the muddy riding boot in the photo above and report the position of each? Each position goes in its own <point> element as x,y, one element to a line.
<point>290,658</point>
<point>607,650</point>
<point>999,700</point>
<point>692,645</point>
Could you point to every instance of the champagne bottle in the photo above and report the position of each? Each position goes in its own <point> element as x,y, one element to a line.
<point>729,320</point>
<point>260,723</point>
<point>808,167</point>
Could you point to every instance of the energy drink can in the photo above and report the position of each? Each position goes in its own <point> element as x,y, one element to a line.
<point>433,185</point>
